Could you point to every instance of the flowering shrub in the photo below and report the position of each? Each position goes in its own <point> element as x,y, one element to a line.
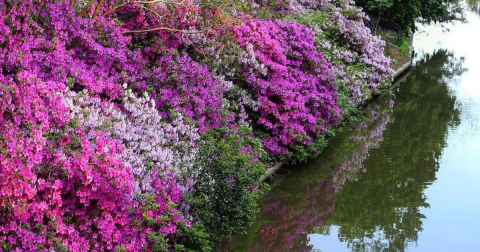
<point>358,56</point>
<point>151,144</point>
<point>57,190</point>
<point>65,186</point>
<point>122,122</point>
<point>296,94</point>
<point>181,84</point>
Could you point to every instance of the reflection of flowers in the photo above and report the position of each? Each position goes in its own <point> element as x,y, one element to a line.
<point>294,217</point>
<point>293,212</point>
<point>369,135</point>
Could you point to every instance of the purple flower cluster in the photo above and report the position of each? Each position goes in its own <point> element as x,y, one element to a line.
<point>358,58</point>
<point>296,93</point>
<point>181,84</point>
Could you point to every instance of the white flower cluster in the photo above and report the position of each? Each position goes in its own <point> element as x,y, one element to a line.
<point>150,141</point>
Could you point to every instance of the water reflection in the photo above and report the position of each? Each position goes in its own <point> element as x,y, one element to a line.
<point>366,135</point>
<point>377,210</point>
<point>382,212</point>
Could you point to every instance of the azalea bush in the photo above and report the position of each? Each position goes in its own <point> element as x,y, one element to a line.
<point>266,60</point>
<point>296,92</point>
<point>64,188</point>
<point>148,124</point>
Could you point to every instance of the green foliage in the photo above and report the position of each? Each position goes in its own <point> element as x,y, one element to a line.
<point>159,243</point>
<point>397,47</point>
<point>402,43</point>
<point>196,239</point>
<point>227,187</point>
<point>405,12</point>
<point>303,154</point>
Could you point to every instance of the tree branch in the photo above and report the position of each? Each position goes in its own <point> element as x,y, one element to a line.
<point>165,29</point>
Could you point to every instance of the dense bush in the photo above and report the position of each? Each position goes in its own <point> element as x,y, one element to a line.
<point>128,125</point>
<point>65,183</point>
<point>59,189</point>
<point>227,187</point>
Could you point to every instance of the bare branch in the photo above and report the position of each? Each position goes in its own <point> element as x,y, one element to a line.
<point>165,29</point>
<point>86,8</point>
<point>97,9</point>
<point>141,2</point>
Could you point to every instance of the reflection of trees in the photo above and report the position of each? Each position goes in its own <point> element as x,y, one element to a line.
<point>382,211</point>
<point>305,200</point>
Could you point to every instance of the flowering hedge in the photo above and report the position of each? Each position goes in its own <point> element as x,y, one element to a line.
<point>127,125</point>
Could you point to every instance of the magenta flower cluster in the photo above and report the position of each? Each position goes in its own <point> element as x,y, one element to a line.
<point>66,182</point>
<point>62,187</point>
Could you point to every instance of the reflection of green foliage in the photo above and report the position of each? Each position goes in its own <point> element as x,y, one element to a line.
<point>389,196</point>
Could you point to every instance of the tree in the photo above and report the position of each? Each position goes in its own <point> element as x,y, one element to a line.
<point>404,13</point>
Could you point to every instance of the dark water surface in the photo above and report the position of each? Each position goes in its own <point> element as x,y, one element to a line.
<point>405,178</point>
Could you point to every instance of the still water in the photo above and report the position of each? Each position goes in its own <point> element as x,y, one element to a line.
<point>404,178</point>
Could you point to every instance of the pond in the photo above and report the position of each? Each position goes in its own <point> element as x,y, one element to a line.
<point>406,177</point>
